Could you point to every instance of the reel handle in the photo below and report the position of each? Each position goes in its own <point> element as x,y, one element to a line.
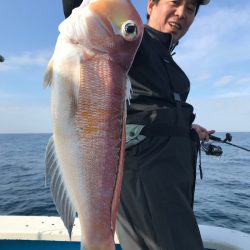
<point>228,137</point>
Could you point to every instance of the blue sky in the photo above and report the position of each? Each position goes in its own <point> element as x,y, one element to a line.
<point>215,54</point>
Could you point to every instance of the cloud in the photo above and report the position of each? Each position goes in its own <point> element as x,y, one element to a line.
<point>224,114</point>
<point>34,59</point>
<point>25,119</point>
<point>214,53</point>
<point>245,80</point>
<point>225,80</point>
<point>216,39</point>
<point>233,94</point>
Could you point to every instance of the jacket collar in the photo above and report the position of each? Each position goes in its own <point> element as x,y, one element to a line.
<point>165,38</point>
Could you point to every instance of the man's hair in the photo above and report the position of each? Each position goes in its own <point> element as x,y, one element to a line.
<point>157,1</point>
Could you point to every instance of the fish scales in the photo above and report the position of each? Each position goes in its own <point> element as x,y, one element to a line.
<point>100,136</point>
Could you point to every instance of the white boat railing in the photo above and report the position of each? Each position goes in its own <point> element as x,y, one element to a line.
<point>52,229</point>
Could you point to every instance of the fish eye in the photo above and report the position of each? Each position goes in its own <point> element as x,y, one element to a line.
<point>129,30</point>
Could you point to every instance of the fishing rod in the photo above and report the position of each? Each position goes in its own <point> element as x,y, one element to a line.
<point>211,149</point>
<point>227,141</point>
<point>1,59</point>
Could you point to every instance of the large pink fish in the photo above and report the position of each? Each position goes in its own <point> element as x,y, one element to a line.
<point>88,75</point>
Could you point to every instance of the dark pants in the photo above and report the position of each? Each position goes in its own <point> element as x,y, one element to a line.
<point>157,196</point>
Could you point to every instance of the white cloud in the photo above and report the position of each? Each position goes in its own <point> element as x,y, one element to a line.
<point>37,58</point>
<point>245,80</point>
<point>225,80</point>
<point>215,52</point>
<point>216,39</point>
<point>224,114</point>
<point>233,94</point>
<point>25,119</point>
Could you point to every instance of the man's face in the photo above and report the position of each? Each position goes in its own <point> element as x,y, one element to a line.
<point>172,16</point>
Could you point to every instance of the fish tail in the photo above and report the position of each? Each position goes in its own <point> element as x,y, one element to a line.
<point>48,78</point>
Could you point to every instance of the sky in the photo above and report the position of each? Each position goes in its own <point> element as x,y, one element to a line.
<point>215,54</point>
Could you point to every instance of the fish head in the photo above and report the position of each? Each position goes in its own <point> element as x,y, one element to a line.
<point>106,27</point>
<point>119,29</point>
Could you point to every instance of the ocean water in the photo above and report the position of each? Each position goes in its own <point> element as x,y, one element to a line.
<point>222,198</point>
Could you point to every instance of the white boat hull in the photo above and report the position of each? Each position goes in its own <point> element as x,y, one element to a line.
<point>52,229</point>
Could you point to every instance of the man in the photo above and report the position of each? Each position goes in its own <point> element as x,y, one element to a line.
<point>156,209</point>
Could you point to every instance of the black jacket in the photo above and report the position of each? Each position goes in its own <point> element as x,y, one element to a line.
<point>159,174</point>
<point>155,77</point>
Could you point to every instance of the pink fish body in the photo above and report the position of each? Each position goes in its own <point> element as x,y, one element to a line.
<point>88,75</point>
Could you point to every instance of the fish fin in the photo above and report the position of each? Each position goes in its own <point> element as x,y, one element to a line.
<point>115,29</point>
<point>59,191</point>
<point>48,78</point>
<point>118,186</point>
<point>85,3</point>
<point>70,27</point>
<point>128,90</point>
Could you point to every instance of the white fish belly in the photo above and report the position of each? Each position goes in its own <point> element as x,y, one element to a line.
<point>88,143</point>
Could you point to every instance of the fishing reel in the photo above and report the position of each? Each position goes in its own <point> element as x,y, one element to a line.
<point>210,149</point>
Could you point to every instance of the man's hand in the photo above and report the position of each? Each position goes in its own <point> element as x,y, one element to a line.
<point>202,132</point>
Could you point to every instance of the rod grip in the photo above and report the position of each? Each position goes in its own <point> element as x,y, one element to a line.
<point>214,138</point>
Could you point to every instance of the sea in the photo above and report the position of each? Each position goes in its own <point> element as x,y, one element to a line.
<point>222,197</point>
